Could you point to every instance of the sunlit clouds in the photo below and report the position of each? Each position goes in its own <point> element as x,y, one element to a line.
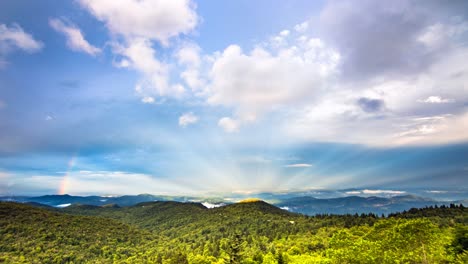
<point>184,96</point>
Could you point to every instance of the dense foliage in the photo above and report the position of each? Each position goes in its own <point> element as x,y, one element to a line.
<point>250,232</point>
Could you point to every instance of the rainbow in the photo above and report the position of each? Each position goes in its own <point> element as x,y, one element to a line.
<point>63,188</point>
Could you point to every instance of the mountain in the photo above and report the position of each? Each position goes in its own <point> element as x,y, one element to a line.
<point>174,219</point>
<point>290,201</point>
<point>125,200</point>
<point>355,204</point>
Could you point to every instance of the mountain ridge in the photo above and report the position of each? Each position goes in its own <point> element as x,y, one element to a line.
<point>299,204</point>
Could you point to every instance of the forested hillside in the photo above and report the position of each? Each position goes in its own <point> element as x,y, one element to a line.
<point>251,232</point>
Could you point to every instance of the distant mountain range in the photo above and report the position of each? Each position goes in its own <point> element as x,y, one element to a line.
<point>301,204</point>
<point>356,204</point>
<point>125,200</point>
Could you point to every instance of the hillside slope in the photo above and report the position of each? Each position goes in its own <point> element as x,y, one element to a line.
<point>254,232</point>
<point>35,235</point>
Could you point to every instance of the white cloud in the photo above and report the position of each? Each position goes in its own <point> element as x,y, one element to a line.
<point>211,205</point>
<point>187,119</point>
<point>193,79</point>
<point>353,192</point>
<point>435,130</point>
<point>347,83</point>
<point>137,25</point>
<point>302,27</point>
<point>229,125</point>
<point>436,191</point>
<point>141,56</point>
<point>336,117</point>
<point>436,100</point>
<point>299,165</point>
<point>284,33</point>
<point>75,39</point>
<point>155,81</point>
<point>366,192</point>
<point>355,84</point>
<point>301,78</point>
<point>15,38</point>
<point>147,100</point>
<point>259,82</point>
<point>151,19</point>
<point>188,56</point>
<point>391,192</point>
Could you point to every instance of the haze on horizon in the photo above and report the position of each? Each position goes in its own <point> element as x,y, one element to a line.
<point>193,97</point>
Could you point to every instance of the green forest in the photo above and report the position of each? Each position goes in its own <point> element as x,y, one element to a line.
<point>249,232</point>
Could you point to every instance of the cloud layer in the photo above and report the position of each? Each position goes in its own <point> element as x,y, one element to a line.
<point>360,75</point>
<point>368,75</point>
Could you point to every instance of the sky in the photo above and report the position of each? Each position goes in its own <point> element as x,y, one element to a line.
<point>198,97</point>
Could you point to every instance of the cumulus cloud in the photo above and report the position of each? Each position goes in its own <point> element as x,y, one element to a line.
<point>187,119</point>
<point>137,25</point>
<point>75,39</point>
<point>155,81</point>
<point>151,19</point>
<point>262,80</point>
<point>141,56</point>
<point>189,54</point>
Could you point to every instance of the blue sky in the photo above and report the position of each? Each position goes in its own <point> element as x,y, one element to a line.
<point>188,97</point>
